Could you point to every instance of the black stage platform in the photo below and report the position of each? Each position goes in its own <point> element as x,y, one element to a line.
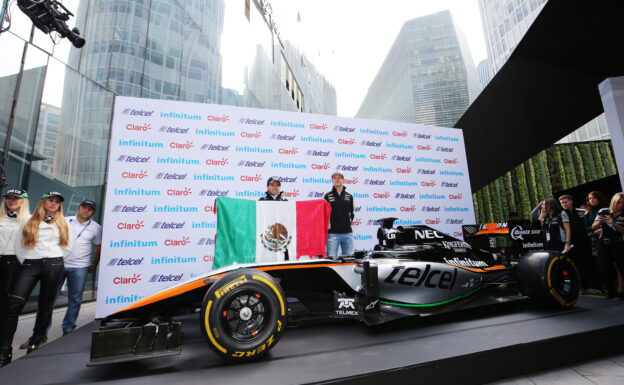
<point>467,348</point>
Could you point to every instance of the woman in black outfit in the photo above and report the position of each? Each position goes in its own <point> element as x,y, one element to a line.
<point>611,244</point>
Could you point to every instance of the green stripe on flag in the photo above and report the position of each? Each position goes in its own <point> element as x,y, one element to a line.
<point>236,232</point>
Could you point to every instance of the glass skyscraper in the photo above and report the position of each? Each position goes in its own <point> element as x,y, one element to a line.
<point>428,76</point>
<point>504,24</point>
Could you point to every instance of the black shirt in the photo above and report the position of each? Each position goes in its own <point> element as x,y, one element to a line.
<point>341,211</point>
<point>268,197</point>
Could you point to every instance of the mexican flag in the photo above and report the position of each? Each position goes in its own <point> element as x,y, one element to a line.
<point>263,231</point>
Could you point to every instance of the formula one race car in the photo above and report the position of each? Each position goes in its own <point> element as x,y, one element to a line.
<point>412,271</point>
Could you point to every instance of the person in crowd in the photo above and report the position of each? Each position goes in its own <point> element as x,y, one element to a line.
<point>41,243</point>
<point>595,200</point>
<point>14,211</point>
<point>556,233</point>
<point>580,243</point>
<point>611,244</point>
<point>273,190</point>
<point>342,213</point>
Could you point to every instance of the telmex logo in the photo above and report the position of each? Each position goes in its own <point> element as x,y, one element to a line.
<point>131,226</point>
<point>401,158</point>
<point>174,130</point>
<point>186,192</point>
<point>168,225</point>
<point>131,111</point>
<point>166,175</point>
<point>404,170</point>
<point>206,242</point>
<point>127,281</point>
<point>424,148</point>
<point>429,209</point>
<point>315,194</point>
<point>428,184</point>
<point>432,221</point>
<point>293,194</point>
<point>411,208</point>
<point>251,121</point>
<point>129,209</point>
<point>178,242</point>
<point>324,166</point>
<point>166,278</point>
<point>375,182</point>
<point>351,181</point>
<point>380,156</point>
<point>385,195</point>
<point>425,171</point>
<point>321,126</point>
<point>445,149</point>
<point>450,184</point>
<point>346,141</point>
<point>249,178</point>
<point>318,153</point>
<point>134,175</point>
<point>134,127</point>
<point>125,262</point>
<point>369,143</point>
<point>344,129</point>
<point>254,135</point>
<point>404,196</point>
<point>402,134</point>
<point>450,161</point>
<point>221,119</point>
<point>458,196</point>
<point>183,146</point>
<point>133,159</point>
<point>283,137</point>
<point>214,193</point>
<point>214,162</point>
<point>215,147</point>
<point>356,222</point>
<point>291,151</point>
<point>246,163</point>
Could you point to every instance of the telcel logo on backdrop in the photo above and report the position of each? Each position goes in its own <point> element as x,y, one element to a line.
<point>174,130</point>
<point>283,137</point>
<point>370,143</point>
<point>344,129</point>
<point>317,153</point>
<point>133,159</point>
<point>168,225</point>
<point>404,196</point>
<point>215,147</point>
<point>214,193</point>
<point>172,176</point>
<point>166,278</point>
<point>125,262</point>
<point>133,112</point>
<point>375,182</point>
<point>129,209</point>
<point>251,121</point>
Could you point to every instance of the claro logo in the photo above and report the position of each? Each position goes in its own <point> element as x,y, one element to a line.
<point>216,162</point>
<point>178,242</point>
<point>407,170</point>
<point>134,175</point>
<point>135,127</point>
<point>293,194</point>
<point>221,119</point>
<point>183,146</point>
<point>138,225</point>
<point>384,195</point>
<point>127,280</point>
<point>254,135</point>
<point>185,192</point>
<point>249,178</point>
<point>324,166</point>
<point>288,151</point>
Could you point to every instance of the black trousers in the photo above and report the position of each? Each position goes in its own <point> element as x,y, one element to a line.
<point>608,253</point>
<point>9,267</point>
<point>47,271</point>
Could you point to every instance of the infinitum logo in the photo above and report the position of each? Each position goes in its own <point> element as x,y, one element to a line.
<point>133,112</point>
<point>140,143</point>
<point>136,192</point>
<point>179,115</point>
<point>217,162</point>
<point>130,298</point>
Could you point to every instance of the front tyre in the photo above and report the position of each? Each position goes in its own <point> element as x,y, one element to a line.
<point>550,278</point>
<point>243,315</point>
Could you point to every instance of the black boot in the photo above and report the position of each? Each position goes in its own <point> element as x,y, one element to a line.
<point>32,348</point>
<point>5,356</point>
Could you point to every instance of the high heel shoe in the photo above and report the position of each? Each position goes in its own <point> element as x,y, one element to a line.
<point>5,358</point>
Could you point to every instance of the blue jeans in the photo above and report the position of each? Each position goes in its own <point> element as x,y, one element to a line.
<point>345,241</point>
<point>76,279</point>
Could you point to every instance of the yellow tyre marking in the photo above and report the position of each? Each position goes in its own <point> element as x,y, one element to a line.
<point>207,325</point>
<point>274,289</point>
<point>551,289</point>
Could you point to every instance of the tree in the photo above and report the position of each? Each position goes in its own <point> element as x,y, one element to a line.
<point>600,170</point>
<point>531,183</point>
<point>569,161</point>
<point>579,166</point>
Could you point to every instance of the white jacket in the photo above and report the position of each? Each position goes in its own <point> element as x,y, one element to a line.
<point>47,245</point>
<point>8,231</point>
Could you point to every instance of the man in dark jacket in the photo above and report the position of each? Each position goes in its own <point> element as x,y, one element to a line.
<point>273,190</point>
<point>340,233</point>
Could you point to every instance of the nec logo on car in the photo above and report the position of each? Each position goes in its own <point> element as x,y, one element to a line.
<point>125,262</point>
<point>166,278</point>
<point>133,159</point>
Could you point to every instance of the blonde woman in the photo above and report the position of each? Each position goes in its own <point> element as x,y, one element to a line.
<point>13,212</point>
<point>41,244</point>
<point>611,244</point>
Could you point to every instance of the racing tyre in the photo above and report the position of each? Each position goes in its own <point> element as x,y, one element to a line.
<point>550,278</point>
<point>243,315</point>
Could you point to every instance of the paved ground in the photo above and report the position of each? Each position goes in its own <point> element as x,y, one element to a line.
<point>607,371</point>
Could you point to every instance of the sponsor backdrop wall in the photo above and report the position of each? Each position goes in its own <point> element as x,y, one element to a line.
<point>169,161</point>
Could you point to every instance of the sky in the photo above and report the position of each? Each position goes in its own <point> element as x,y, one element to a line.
<point>348,40</point>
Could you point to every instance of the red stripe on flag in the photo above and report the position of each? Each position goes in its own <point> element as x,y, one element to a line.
<point>312,225</point>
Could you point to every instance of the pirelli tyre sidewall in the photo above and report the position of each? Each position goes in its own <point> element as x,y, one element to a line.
<point>550,278</point>
<point>243,315</point>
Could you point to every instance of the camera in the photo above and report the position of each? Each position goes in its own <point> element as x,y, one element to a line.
<point>49,16</point>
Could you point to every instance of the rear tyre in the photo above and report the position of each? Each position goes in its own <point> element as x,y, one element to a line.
<point>243,315</point>
<point>550,278</point>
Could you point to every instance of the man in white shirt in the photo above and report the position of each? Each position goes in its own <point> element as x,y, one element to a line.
<point>78,263</point>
